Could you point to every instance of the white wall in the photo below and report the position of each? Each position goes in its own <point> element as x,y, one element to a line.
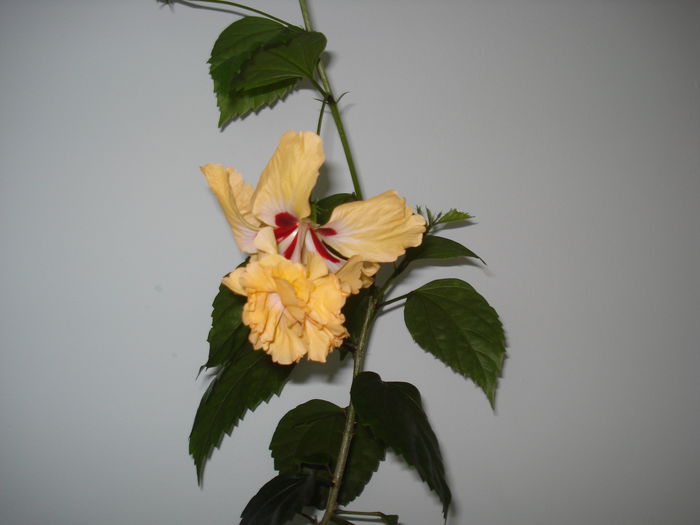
<point>571,129</point>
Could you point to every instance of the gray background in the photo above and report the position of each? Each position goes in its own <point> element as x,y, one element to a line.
<point>570,129</point>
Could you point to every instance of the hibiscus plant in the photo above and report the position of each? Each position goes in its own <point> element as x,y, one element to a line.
<point>309,286</point>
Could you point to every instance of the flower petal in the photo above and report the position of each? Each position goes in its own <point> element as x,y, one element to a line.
<point>292,310</point>
<point>356,274</point>
<point>235,199</point>
<point>233,281</point>
<point>265,241</point>
<point>286,183</point>
<point>378,229</point>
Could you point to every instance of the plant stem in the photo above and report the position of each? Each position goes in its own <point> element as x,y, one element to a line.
<point>330,99</point>
<point>247,8</point>
<point>360,513</point>
<point>344,450</point>
<point>305,15</point>
<point>377,515</point>
<point>375,299</point>
<point>398,270</point>
<point>320,116</point>
<point>385,303</point>
<point>341,132</point>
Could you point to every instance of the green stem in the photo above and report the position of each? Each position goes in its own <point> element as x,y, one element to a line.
<point>341,133</point>
<point>320,117</point>
<point>379,515</point>
<point>344,449</point>
<point>375,303</point>
<point>395,299</point>
<point>361,513</point>
<point>306,15</point>
<point>330,99</point>
<point>398,270</point>
<point>359,356</point>
<point>247,8</point>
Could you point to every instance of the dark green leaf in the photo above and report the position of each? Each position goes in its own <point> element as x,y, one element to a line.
<point>391,519</point>
<point>354,311</point>
<point>228,334</point>
<point>324,207</point>
<point>394,413</point>
<point>280,499</point>
<point>256,61</point>
<point>245,36</point>
<point>234,48</point>
<point>294,59</point>
<point>434,247</point>
<point>240,385</point>
<point>234,104</point>
<point>309,434</point>
<point>449,319</point>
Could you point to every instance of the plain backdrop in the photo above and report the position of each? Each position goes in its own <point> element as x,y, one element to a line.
<point>570,129</point>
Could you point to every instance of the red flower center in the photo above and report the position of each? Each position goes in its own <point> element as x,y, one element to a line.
<point>287,224</point>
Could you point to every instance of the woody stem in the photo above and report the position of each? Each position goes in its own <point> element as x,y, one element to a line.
<point>344,449</point>
<point>359,356</point>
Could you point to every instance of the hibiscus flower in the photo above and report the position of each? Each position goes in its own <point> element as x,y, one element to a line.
<point>293,309</point>
<point>300,273</point>
<point>373,231</point>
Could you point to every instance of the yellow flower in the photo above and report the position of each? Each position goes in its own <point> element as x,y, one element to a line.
<point>293,310</point>
<point>300,273</point>
<point>356,237</point>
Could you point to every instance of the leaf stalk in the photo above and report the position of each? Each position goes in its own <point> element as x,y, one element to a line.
<point>395,299</point>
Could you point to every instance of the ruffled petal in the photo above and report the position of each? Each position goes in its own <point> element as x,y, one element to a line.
<point>378,229</point>
<point>356,274</point>
<point>369,269</point>
<point>235,199</point>
<point>286,183</point>
<point>233,281</point>
<point>292,310</point>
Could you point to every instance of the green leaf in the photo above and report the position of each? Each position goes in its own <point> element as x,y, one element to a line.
<point>323,208</point>
<point>295,59</point>
<point>228,333</point>
<point>449,319</point>
<point>234,104</point>
<point>256,61</point>
<point>280,499</point>
<point>394,413</point>
<point>453,215</point>
<point>309,434</point>
<point>239,385</point>
<point>436,219</point>
<point>234,48</point>
<point>244,37</point>
<point>434,247</point>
